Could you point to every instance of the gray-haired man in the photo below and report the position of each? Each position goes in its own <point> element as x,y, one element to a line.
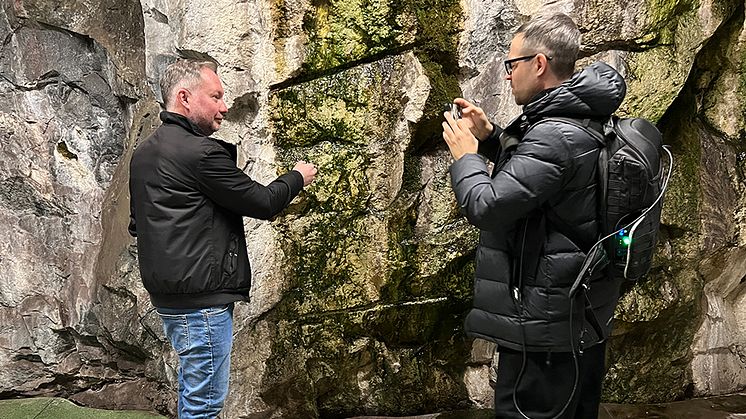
<point>187,200</point>
<point>537,212</point>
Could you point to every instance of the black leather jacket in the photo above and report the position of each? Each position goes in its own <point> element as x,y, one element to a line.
<point>187,199</point>
<point>542,188</point>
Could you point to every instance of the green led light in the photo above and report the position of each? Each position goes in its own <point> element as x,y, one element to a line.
<point>626,240</point>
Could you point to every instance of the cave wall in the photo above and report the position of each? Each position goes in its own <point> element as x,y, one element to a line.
<point>361,286</point>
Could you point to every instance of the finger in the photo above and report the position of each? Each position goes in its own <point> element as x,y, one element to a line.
<point>450,139</point>
<point>447,131</point>
<point>467,107</point>
<point>462,102</point>
<point>450,121</point>
<point>463,127</point>
<point>447,116</point>
<point>446,125</point>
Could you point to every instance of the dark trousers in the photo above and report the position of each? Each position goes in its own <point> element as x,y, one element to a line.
<point>547,382</point>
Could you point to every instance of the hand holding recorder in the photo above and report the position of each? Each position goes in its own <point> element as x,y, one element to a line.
<point>464,124</point>
<point>474,118</point>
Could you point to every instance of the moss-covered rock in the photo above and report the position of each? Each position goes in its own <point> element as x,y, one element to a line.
<point>352,358</point>
<point>341,32</point>
<point>673,32</point>
<point>371,303</point>
<point>651,353</point>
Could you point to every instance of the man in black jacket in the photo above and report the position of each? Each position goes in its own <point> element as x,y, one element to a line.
<point>537,212</point>
<point>187,200</point>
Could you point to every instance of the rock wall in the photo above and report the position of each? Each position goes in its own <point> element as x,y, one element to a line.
<point>361,286</point>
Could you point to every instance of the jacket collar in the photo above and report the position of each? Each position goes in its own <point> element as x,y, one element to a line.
<point>595,92</point>
<point>182,121</point>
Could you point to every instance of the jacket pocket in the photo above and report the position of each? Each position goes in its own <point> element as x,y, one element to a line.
<point>230,259</point>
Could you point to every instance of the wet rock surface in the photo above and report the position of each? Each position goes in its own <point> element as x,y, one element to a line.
<point>359,288</point>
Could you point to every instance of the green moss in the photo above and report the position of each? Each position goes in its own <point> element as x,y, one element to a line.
<point>367,300</point>
<point>65,152</point>
<point>344,31</point>
<point>330,266</point>
<point>341,31</point>
<point>285,383</point>
<point>279,12</point>
<point>649,362</point>
<point>335,109</point>
<point>402,247</point>
<point>444,88</point>
<point>47,407</point>
<point>357,106</point>
<point>675,32</point>
<point>653,85</point>
<point>417,349</point>
<point>683,192</point>
<point>664,14</point>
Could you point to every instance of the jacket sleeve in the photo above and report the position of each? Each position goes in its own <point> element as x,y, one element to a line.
<point>490,146</point>
<point>532,174</point>
<point>228,186</point>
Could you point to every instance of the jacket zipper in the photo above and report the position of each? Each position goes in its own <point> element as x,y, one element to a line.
<point>232,255</point>
<point>518,288</point>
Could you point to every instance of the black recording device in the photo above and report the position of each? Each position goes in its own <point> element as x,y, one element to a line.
<point>453,109</point>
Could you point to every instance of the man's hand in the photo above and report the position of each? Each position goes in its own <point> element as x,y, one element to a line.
<point>477,121</point>
<point>307,170</point>
<point>459,138</point>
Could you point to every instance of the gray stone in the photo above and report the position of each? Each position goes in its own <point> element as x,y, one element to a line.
<point>360,287</point>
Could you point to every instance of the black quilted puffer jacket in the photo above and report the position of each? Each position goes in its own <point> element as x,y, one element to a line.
<point>537,211</point>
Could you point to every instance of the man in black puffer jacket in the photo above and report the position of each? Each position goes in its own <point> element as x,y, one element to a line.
<point>187,200</point>
<point>537,212</point>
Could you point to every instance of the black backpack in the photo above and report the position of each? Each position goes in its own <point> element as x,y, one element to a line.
<point>632,184</point>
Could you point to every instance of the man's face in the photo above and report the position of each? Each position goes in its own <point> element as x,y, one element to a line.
<point>523,80</point>
<point>207,106</point>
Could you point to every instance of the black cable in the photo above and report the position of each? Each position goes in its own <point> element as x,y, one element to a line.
<point>523,366</point>
<point>571,297</point>
<point>519,302</point>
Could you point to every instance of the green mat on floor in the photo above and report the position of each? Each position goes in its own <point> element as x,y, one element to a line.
<point>54,408</point>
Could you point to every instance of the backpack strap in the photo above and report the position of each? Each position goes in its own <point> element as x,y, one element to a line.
<point>596,129</point>
<point>593,126</point>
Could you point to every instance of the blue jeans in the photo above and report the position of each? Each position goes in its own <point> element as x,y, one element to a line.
<point>202,339</point>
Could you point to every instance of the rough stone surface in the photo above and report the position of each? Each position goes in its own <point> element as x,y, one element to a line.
<point>361,286</point>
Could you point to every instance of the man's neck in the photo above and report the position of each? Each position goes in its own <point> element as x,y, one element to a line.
<point>185,122</point>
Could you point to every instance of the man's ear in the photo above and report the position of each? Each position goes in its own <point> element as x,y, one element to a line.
<point>183,98</point>
<point>542,64</point>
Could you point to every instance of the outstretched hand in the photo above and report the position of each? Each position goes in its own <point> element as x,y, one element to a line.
<point>458,136</point>
<point>307,170</point>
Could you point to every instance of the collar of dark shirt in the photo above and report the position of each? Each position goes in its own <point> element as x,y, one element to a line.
<point>181,120</point>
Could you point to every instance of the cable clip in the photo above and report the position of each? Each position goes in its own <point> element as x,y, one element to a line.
<point>516,294</point>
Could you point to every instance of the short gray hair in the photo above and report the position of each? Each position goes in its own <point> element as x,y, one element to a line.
<point>556,36</point>
<point>182,73</point>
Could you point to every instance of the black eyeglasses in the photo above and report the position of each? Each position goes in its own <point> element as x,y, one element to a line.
<point>509,63</point>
